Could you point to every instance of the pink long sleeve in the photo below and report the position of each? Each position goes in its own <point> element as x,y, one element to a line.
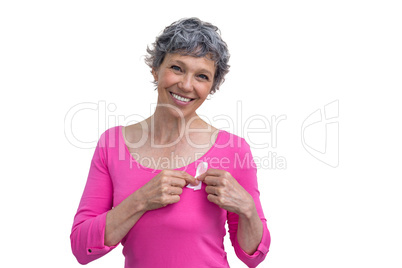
<point>246,175</point>
<point>189,233</point>
<point>87,235</point>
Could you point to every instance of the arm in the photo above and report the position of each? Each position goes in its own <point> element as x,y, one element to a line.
<point>240,197</point>
<point>98,228</point>
<point>261,251</point>
<point>122,218</point>
<point>249,229</point>
<point>87,235</point>
<point>250,237</point>
<point>249,225</point>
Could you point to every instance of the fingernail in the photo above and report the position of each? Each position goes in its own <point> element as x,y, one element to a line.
<point>196,182</point>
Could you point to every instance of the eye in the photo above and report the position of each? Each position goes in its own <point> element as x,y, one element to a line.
<point>176,68</point>
<point>203,76</point>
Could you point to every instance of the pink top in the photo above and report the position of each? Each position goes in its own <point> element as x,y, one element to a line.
<point>186,234</point>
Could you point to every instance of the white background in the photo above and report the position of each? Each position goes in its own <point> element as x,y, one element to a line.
<point>288,58</point>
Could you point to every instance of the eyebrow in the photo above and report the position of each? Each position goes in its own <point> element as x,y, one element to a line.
<point>202,70</point>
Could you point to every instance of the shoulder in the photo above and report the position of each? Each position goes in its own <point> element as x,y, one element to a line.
<point>233,147</point>
<point>111,131</point>
<point>231,141</point>
<point>110,137</point>
<point>237,154</point>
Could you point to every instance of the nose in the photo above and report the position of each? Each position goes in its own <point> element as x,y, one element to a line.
<point>186,83</point>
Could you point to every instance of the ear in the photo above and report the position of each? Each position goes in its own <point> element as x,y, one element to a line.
<point>155,74</point>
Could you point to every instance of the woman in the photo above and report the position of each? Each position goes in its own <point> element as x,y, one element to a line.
<point>136,190</point>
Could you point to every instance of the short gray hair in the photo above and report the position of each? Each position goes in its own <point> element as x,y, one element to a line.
<point>195,38</point>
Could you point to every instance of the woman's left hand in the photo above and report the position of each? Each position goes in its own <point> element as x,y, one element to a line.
<point>226,192</point>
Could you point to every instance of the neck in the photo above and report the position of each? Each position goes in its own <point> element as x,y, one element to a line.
<point>165,128</point>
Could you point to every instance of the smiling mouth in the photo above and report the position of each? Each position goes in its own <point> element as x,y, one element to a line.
<point>180,98</point>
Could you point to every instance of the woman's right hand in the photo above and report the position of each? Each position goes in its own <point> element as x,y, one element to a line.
<point>165,188</point>
<point>162,190</point>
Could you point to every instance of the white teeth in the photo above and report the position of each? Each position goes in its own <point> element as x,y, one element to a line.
<point>180,98</point>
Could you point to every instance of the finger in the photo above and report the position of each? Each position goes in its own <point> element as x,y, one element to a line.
<point>202,176</point>
<point>215,172</point>
<point>178,182</point>
<point>173,199</point>
<point>185,176</point>
<point>171,190</point>
<point>213,199</point>
<point>175,190</point>
<point>211,190</point>
<point>169,199</point>
<point>210,172</point>
<point>212,180</point>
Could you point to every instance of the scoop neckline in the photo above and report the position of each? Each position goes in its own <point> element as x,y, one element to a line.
<point>153,170</point>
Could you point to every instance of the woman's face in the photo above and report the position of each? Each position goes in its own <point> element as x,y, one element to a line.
<point>184,82</point>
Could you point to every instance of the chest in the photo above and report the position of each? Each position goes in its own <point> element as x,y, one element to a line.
<point>172,157</point>
<point>193,212</point>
